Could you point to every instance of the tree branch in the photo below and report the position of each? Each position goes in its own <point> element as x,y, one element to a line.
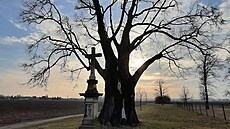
<point>144,66</point>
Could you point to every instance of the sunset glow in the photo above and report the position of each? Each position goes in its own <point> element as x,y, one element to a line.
<point>15,36</point>
<point>136,63</point>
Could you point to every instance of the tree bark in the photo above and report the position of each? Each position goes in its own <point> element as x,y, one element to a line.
<point>129,105</point>
<point>112,108</point>
<point>111,113</point>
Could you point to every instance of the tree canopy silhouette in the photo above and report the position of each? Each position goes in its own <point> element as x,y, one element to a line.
<point>118,28</point>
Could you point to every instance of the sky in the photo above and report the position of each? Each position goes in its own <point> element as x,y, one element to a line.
<point>13,38</point>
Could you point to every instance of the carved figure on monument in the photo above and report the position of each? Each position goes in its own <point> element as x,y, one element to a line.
<point>89,110</point>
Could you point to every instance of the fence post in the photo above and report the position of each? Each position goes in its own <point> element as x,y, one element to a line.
<point>195,108</point>
<point>200,110</point>
<point>192,107</point>
<point>213,112</point>
<point>224,112</point>
<point>206,110</point>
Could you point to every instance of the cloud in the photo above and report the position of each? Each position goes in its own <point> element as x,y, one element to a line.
<point>71,1</point>
<point>224,7</point>
<point>18,25</point>
<point>47,27</point>
<point>11,39</point>
<point>31,38</point>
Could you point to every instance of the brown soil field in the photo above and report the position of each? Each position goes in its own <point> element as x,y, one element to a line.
<point>16,111</point>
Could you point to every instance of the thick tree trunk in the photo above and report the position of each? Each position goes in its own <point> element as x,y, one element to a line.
<point>111,113</point>
<point>113,103</point>
<point>118,89</point>
<point>130,111</point>
<point>129,105</point>
<point>108,107</point>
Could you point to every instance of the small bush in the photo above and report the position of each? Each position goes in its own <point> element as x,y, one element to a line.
<point>163,100</point>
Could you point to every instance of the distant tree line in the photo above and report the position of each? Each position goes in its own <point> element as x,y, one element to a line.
<point>20,97</point>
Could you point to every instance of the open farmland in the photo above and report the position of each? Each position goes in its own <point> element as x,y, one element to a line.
<point>15,111</point>
<point>152,116</point>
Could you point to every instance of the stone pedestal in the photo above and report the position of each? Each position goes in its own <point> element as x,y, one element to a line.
<point>91,105</point>
<point>91,111</point>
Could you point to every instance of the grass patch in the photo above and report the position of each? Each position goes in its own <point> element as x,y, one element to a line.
<point>69,123</point>
<point>171,117</point>
<point>152,117</point>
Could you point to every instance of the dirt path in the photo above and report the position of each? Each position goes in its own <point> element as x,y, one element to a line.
<point>37,122</point>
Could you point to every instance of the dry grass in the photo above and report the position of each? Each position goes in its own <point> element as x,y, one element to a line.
<point>153,117</point>
<point>70,123</point>
<point>171,117</point>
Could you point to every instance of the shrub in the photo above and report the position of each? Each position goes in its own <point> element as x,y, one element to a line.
<point>163,100</point>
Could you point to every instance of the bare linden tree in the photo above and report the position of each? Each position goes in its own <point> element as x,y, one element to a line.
<point>163,29</point>
<point>208,70</point>
<point>185,95</point>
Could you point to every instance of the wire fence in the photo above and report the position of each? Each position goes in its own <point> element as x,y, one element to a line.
<point>216,110</point>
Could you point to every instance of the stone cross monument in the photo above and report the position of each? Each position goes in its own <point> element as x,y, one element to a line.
<point>91,94</point>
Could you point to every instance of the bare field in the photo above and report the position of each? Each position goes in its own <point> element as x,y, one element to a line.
<point>16,111</point>
<point>152,116</point>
